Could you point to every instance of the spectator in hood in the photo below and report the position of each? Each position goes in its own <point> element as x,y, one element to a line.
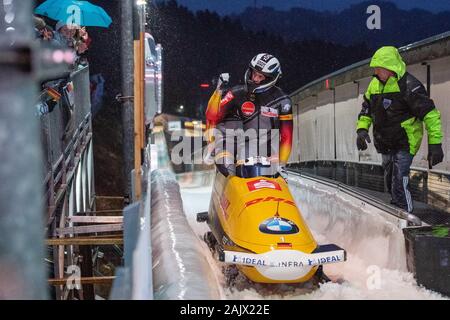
<point>397,104</point>
<point>65,33</point>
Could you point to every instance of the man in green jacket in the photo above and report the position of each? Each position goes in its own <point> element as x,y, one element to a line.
<point>398,104</point>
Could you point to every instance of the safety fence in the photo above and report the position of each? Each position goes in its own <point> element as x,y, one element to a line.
<point>66,134</point>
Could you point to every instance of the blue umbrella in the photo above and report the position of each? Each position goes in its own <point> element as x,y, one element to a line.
<point>82,13</point>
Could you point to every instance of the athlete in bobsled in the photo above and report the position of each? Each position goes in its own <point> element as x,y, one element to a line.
<point>254,221</point>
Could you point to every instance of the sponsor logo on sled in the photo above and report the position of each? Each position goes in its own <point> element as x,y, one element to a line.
<point>278,225</point>
<point>274,199</point>
<point>261,184</point>
<point>285,264</point>
<point>284,258</point>
<point>324,260</point>
<point>263,263</point>
<point>248,261</point>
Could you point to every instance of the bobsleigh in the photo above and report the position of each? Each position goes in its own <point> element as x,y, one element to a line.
<point>256,225</point>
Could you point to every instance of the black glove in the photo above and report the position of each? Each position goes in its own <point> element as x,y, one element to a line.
<point>363,136</point>
<point>435,154</point>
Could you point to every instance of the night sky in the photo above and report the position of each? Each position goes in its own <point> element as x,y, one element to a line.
<point>235,6</point>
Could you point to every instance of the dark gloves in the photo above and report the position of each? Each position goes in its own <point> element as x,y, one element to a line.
<point>363,136</point>
<point>435,154</point>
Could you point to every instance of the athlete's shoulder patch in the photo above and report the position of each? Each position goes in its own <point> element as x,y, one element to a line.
<point>228,97</point>
<point>286,107</point>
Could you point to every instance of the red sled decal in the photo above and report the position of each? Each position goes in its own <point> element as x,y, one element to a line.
<point>263,184</point>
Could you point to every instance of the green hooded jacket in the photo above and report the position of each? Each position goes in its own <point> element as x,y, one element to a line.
<point>398,108</point>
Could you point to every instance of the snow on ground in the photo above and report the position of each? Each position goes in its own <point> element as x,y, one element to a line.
<point>357,278</point>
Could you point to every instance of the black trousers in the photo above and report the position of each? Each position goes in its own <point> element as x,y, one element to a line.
<point>396,167</point>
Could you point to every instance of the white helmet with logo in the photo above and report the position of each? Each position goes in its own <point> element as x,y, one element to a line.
<point>269,66</point>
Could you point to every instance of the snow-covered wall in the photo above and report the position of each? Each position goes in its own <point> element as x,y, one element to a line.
<point>326,117</point>
<point>180,270</point>
<point>364,231</point>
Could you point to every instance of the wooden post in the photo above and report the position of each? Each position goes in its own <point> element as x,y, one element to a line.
<point>127,66</point>
<point>62,223</point>
<point>87,270</point>
<point>138,107</point>
<point>109,197</point>
<point>142,81</point>
<point>95,219</point>
<point>83,280</point>
<point>90,229</point>
<point>84,241</point>
<point>81,213</point>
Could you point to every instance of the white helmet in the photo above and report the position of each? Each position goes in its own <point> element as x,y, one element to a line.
<point>266,64</point>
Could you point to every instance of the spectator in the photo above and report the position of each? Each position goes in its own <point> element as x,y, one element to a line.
<point>397,104</point>
<point>43,31</point>
<point>65,34</point>
<point>81,41</point>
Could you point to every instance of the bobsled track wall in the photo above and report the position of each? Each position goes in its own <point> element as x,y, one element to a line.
<point>359,227</point>
<point>162,255</point>
<point>325,114</point>
<point>371,235</point>
<point>180,269</point>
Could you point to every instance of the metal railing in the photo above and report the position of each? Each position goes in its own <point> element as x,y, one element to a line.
<point>320,83</point>
<point>377,203</point>
<point>66,134</point>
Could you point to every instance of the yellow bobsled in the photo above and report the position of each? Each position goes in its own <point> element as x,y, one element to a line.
<point>257,226</point>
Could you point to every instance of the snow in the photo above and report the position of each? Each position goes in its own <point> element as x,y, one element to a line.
<point>375,266</point>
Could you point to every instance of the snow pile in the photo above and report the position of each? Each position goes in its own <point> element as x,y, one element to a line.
<point>375,266</point>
